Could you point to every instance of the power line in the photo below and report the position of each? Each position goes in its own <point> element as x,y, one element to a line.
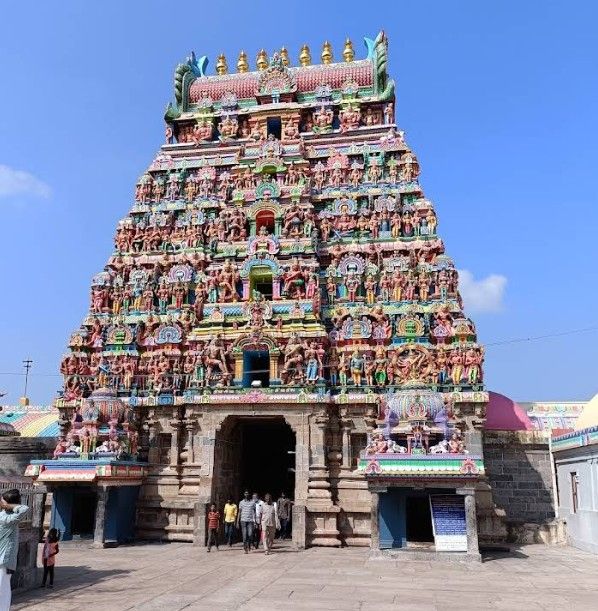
<point>539,337</point>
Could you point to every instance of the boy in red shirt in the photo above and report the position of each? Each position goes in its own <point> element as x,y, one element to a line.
<point>213,526</point>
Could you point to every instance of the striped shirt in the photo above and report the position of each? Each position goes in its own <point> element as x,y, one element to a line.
<point>247,510</point>
<point>213,519</point>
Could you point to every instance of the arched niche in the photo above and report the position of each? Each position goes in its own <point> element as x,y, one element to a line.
<point>256,354</point>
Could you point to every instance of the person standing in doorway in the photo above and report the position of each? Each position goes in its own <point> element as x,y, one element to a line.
<point>284,508</point>
<point>11,513</point>
<point>230,517</point>
<point>270,522</point>
<point>213,526</point>
<point>246,518</point>
<point>257,532</point>
<point>49,556</point>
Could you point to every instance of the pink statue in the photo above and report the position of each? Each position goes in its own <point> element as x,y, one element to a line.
<point>228,128</point>
<point>293,275</point>
<point>323,120</point>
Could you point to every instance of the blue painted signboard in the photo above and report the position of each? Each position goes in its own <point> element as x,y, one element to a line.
<point>448,522</point>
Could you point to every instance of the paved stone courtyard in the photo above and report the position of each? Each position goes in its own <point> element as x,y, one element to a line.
<point>170,577</point>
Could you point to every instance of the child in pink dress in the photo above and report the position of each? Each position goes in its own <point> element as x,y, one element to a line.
<point>49,556</point>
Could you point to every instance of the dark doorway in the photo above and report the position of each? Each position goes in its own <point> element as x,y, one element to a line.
<point>267,457</point>
<point>275,127</point>
<point>256,368</point>
<point>419,520</point>
<point>84,511</point>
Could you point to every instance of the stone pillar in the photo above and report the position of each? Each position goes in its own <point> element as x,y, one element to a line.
<point>375,537</point>
<point>238,368</point>
<point>175,442</point>
<point>319,484</point>
<point>100,518</point>
<point>153,451</point>
<point>190,426</point>
<point>273,366</point>
<point>471,521</point>
<point>275,287</point>
<point>346,428</point>
<point>322,527</point>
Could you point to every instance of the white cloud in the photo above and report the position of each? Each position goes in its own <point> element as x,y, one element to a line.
<point>18,182</point>
<point>483,295</point>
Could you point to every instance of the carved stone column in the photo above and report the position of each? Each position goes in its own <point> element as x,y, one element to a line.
<point>471,521</point>
<point>150,427</point>
<point>375,517</point>
<point>100,517</point>
<point>319,484</point>
<point>321,527</point>
<point>273,366</point>
<point>175,425</point>
<point>190,425</point>
<point>347,426</point>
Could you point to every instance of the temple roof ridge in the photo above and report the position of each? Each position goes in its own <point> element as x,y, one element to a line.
<point>192,85</point>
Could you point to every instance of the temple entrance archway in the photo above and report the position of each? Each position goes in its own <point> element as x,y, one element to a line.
<point>255,453</point>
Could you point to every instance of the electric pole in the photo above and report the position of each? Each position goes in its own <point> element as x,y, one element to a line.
<point>27,364</point>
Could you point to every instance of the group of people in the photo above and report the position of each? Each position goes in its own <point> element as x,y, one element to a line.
<point>255,518</point>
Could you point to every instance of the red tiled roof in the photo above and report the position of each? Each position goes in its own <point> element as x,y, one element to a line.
<point>307,79</point>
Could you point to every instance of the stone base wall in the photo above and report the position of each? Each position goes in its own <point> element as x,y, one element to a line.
<point>517,503</point>
<point>16,452</point>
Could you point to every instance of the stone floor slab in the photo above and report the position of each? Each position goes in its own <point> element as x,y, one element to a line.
<point>173,577</point>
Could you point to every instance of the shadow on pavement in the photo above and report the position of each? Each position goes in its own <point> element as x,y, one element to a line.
<point>498,552</point>
<point>66,580</point>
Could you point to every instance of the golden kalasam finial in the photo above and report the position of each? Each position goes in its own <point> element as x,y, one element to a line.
<point>221,66</point>
<point>284,55</point>
<point>327,53</point>
<point>305,56</point>
<point>242,64</point>
<point>348,53</point>
<point>262,60</point>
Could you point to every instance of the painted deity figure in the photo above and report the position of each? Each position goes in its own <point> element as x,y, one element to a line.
<point>356,365</point>
<point>293,220</point>
<point>473,362</point>
<point>456,361</point>
<point>228,128</point>
<point>227,279</point>
<point>343,369</point>
<point>323,120</point>
<point>292,276</point>
<point>202,131</point>
<point>349,118</point>
<point>290,130</point>
<point>370,289</point>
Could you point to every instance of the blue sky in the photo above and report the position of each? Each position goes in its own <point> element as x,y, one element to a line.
<point>498,100</point>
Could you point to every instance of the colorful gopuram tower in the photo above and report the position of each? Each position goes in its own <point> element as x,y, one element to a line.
<point>279,289</point>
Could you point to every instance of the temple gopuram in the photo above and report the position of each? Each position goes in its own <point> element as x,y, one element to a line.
<point>278,314</point>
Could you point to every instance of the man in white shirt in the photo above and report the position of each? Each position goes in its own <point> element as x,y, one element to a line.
<point>11,513</point>
<point>259,504</point>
